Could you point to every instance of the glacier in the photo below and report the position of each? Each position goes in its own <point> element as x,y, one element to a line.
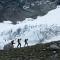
<point>43,29</point>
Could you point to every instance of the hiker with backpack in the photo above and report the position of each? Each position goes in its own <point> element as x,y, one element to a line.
<point>19,43</point>
<point>26,43</point>
<point>12,43</point>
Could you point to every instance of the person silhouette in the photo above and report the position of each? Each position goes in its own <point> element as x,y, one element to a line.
<point>19,43</point>
<point>26,43</point>
<point>12,42</point>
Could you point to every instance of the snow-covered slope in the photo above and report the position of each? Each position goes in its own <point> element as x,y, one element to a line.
<point>36,30</point>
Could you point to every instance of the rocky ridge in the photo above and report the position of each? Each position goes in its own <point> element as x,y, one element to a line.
<point>48,51</point>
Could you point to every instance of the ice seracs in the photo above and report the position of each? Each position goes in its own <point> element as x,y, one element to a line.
<point>36,30</point>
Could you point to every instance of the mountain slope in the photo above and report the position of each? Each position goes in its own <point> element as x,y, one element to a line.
<point>36,52</point>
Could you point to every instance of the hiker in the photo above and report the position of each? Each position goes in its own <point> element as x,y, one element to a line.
<point>26,43</point>
<point>19,43</point>
<point>12,42</point>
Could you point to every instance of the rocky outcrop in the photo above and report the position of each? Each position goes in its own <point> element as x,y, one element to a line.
<point>18,10</point>
<point>8,46</point>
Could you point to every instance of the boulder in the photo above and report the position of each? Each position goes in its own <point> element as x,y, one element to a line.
<point>8,46</point>
<point>53,46</point>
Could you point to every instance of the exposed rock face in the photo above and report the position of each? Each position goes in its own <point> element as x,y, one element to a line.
<point>18,10</point>
<point>8,46</point>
